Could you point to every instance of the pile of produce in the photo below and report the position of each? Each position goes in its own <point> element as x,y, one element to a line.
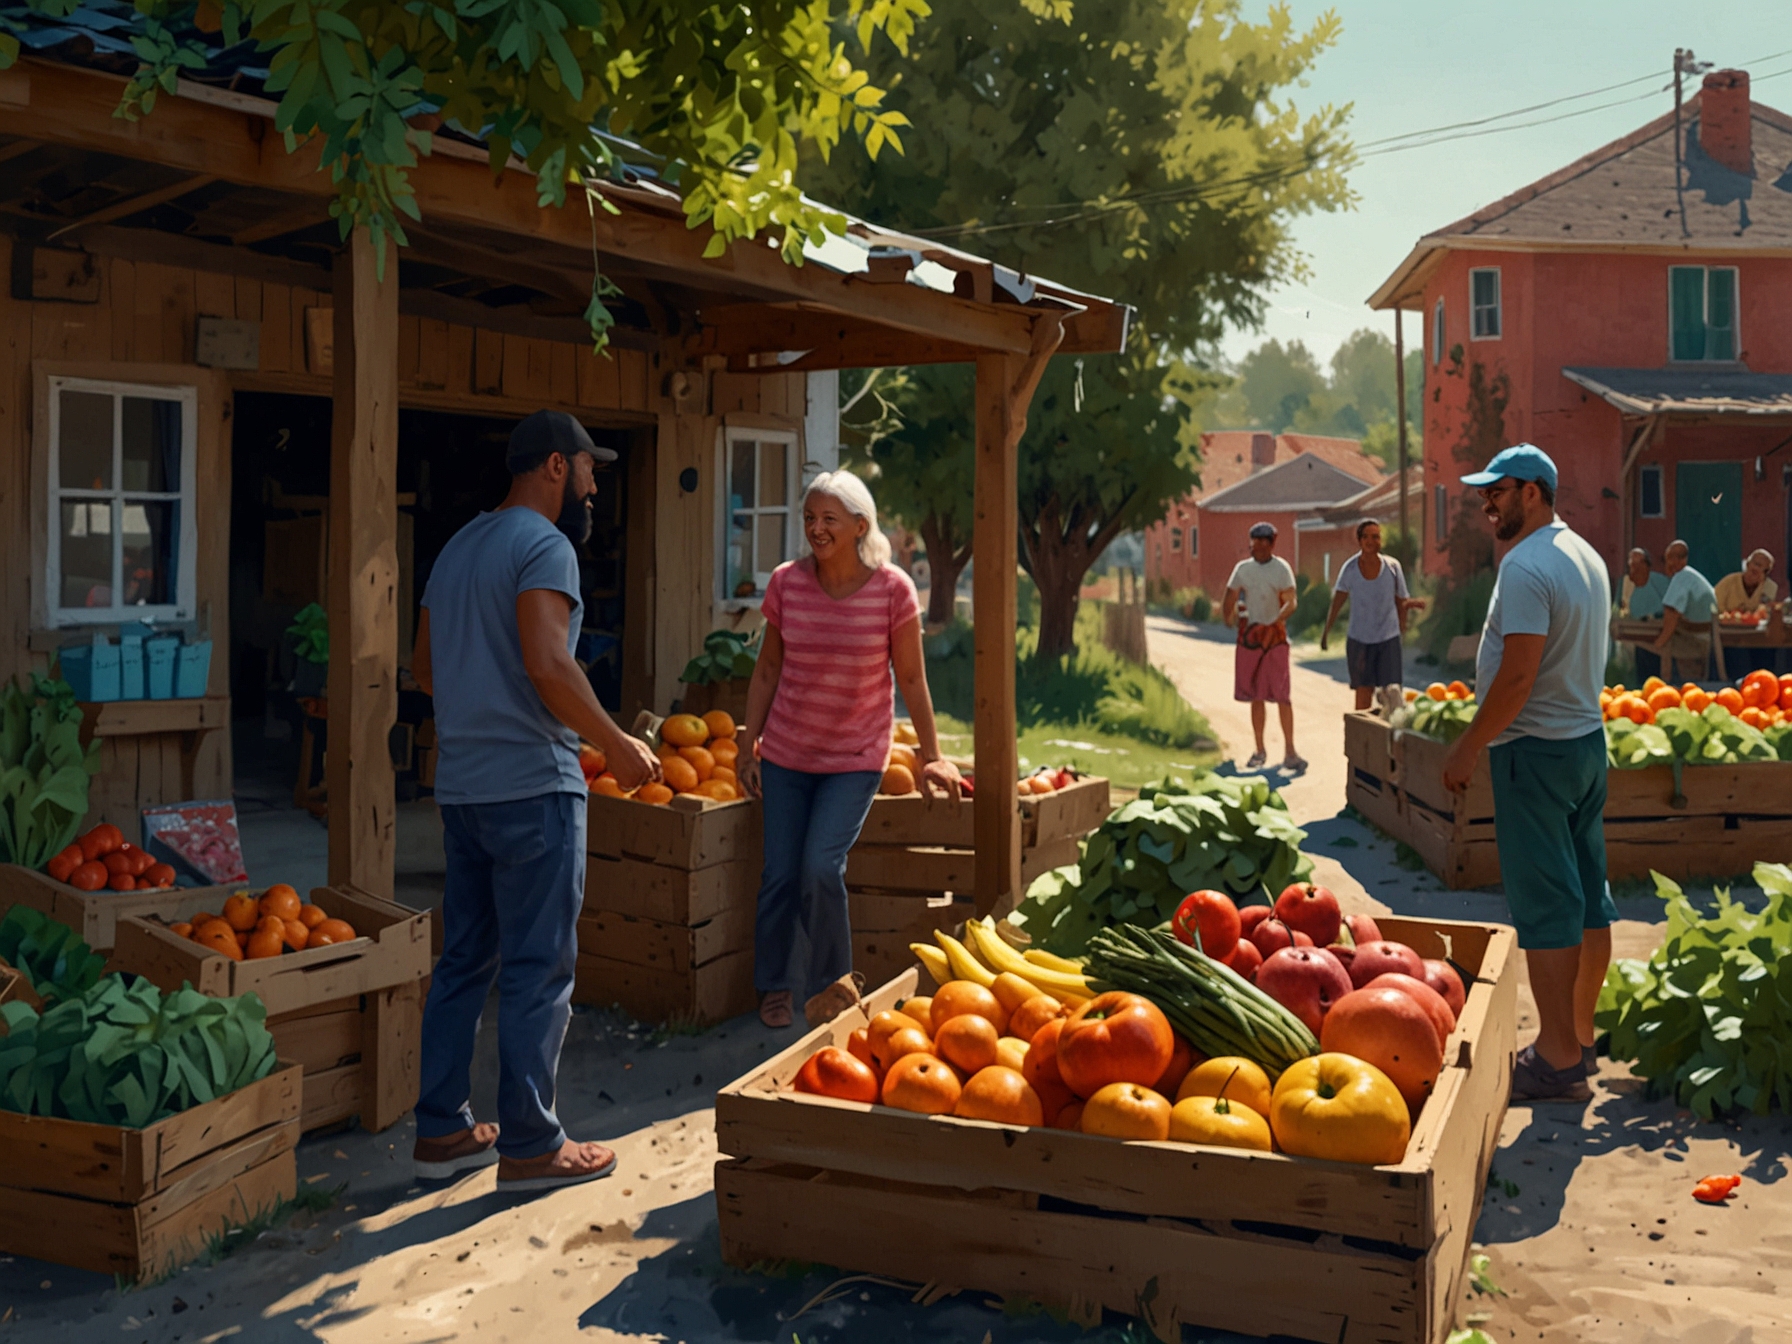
<point>1708,1018</point>
<point>1229,833</point>
<point>276,923</point>
<point>902,767</point>
<point>697,757</point>
<point>104,858</point>
<point>49,954</point>
<point>1444,717</point>
<point>1755,616</point>
<point>128,1054</point>
<point>1760,700</point>
<point>44,770</point>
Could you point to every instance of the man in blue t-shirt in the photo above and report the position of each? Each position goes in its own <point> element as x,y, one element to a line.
<point>1538,677</point>
<point>502,610</point>
<point>1688,609</point>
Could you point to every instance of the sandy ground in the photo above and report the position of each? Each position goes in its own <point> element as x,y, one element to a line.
<point>1589,1225</point>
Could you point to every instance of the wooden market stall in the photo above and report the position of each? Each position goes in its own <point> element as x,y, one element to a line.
<point>189,260</point>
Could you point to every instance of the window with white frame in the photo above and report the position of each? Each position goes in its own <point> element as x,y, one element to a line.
<point>1649,503</point>
<point>1702,313</point>
<point>760,472</point>
<point>1175,540</point>
<point>1484,303</point>
<point>123,539</point>
<point>1437,333</point>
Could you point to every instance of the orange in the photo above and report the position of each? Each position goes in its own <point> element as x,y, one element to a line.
<point>1785,696</point>
<point>312,915</point>
<point>999,1093</point>
<point>607,785</point>
<point>657,794</point>
<point>898,780</point>
<point>904,755</point>
<point>968,1041</point>
<point>681,775</point>
<point>265,942</point>
<point>1069,1116</point>
<point>700,760</point>
<point>1652,685</point>
<point>858,1045</point>
<point>1731,699</point>
<point>1664,697</point>
<point>1437,691</point>
<point>719,723</point>
<point>296,935</point>
<point>1688,687</point>
<point>1248,1086</point>
<point>922,1083</point>
<point>885,1025</point>
<point>1011,1052</point>
<point>726,751</point>
<point>240,912</point>
<point>1760,689</point>
<point>909,1040</point>
<point>218,936</point>
<point>1457,690</point>
<point>1034,1014</point>
<point>719,789</point>
<point>1753,717</point>
<point>1698,701</point>
<point>1127,1111</point>
<point>1038,784</point>
<point>181,928</point>
<point>919,1007</point>
<point>280,900</point>
<point>331,931</point>
<point>723,774</point>
<point>200,920</point>
<point>684,730</point>
<point>1636,709</point>
<point>967,996</point>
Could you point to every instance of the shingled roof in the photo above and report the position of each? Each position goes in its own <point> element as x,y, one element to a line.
<point>1306,482</point>
<point>1624,195</point>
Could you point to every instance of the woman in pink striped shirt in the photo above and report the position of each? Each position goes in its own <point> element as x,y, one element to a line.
<point>817,737</point>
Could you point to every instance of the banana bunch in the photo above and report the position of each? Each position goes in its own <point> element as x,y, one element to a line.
<point>983,955</point>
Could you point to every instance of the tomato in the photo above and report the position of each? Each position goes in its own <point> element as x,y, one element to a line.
<point>64,863</point>
<point>1127,1111</point>
<point>1000,1094</point>
<point>89,876</point>
<point>159,875</point>
<point>1114,1038</point>
<point>1183,1057</point>
<point>832,1072</point>
<point>101,840</point>
<point>121,882</point>
<point>1339,1107</point>
<point>120,861</point>
<point>1212,915</point>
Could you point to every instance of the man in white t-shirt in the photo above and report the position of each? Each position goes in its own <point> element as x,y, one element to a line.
<point>1260,597</point>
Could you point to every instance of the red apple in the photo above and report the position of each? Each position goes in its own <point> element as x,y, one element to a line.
<point>1245,959</point>
<point>1271,936</point>
<point>1250,916</point>
<point>1313,910</point>
<point>1373,959</point>
<point>1344,953</point>
<point>1391,1031</point>
<point>1443,1021</point>
<point>1442,977</point>
<point>1362,929</point>
<point>1305,981</point>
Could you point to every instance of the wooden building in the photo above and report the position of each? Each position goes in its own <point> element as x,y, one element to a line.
<point>282,420</point>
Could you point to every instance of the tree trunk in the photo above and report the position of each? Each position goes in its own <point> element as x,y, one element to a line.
<point>945,562</point>
<point>1057,553</point>
<point>1059,598</point>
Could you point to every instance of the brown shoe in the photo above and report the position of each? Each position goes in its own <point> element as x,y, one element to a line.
<point>438,1159</point>
<point>774,1009</point>
<point>569,1164</point>
<point>835,999</point>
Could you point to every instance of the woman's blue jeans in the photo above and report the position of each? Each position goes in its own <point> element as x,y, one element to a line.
<point>516,880</point>
<point>810,823</point>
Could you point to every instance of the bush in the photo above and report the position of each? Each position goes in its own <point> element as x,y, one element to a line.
<point>1189,603</point>
<point>1311,602</point>
<point>1200,607</point>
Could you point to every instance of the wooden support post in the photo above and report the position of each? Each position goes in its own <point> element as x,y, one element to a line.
<point>391,1065</point>
<point>363,584</point>
<point>1005,386</point>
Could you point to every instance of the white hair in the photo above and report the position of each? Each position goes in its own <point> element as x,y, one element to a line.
<point>874,546</point>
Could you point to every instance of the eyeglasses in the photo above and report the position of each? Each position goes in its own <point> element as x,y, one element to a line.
<point>1493,492</point>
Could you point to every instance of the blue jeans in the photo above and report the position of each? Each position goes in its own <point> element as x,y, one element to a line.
<point>810,823</point>
<point>516,880</point>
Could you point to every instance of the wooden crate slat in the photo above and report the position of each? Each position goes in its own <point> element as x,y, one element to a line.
<point>649,942</point>
<point>626,886</point>
<point>723,988</point>
<point>1069,813</point>
<point>918,819</point>
<point>686,833</point>
<point>181,1236</point>
<point>331,1096</point>
<point>320,1041</point>
<point>203,1175</point>
<point>94,915</point>
<point>182,1139</point>
<point>391,1053</point>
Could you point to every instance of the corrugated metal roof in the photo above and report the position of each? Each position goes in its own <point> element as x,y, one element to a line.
<point>1689,390</point>
<point>1307,482</point>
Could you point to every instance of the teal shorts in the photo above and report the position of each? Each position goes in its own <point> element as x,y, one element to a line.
<point>1549,821</point>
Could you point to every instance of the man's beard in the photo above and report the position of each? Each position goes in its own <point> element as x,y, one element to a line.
<point>575,517</point>
<point>1507,528</point>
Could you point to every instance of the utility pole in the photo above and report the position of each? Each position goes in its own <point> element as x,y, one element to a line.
<point>1400,420</point>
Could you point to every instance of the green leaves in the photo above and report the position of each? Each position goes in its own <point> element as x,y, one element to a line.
<point>44,770</point>
<point>726,656</point>
<point>55,960</point>
<point>1445,720</point>
<point>1708,1018</point>
<point>310,631</point>
<point>129,1054</point>
<point>1216,831</point>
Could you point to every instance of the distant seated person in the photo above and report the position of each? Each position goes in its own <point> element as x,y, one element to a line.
<point>1689,609</point>
<point>1641,601</point>
<point>1748,590</point>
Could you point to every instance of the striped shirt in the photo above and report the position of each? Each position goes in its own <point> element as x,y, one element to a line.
<point>835,702</point>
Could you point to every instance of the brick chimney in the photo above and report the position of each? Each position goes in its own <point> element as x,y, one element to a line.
<point>1724,121</point>
<point>1263,451</point>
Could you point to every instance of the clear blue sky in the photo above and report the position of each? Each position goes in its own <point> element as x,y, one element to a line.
<point>1412,64</point>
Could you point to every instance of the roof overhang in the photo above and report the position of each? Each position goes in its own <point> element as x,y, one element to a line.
<point>1297,506</point>
<point>1684,394</point>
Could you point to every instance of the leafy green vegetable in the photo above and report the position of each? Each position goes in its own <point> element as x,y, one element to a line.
<point>1635,746</point>
<point>58,964</point>
<point>130,1054</point>
<point>726,656</point>
<point>1445,720</point>
<point>1708,1017</point>
<point>1779,737</point>
<point>44,770</point>
<point>1713,737</point>
<point>310,630</point>
<point>1227,833</point>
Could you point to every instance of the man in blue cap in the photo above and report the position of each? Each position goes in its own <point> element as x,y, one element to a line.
<point>1537,678</point>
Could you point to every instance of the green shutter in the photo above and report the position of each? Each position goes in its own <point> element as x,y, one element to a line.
<point>1686,311</point>
<point>1720,313</point>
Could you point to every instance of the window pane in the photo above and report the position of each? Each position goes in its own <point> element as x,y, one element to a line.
<point>151,444</point>
<point>774,482</point>
<point>737,564</point>
<point>1686,310</point>
<point>150,530</point>
<point>771,541</point>
<point>1720,313</point>
<point>1194,538</point>
<point>1649,495</point>
<point>740,474</point>
<point>1437,333</point>
<point>86,554</point>
<point>85,446</point>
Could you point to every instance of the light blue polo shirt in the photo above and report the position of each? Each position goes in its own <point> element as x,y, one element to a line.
<point>1552,584</point>
<point>1690,593</point>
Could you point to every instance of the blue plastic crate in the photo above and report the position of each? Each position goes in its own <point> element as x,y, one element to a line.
<point>158,666</point>
<point>130,666</point>
<point>91,669</point>
<point>193,664</point>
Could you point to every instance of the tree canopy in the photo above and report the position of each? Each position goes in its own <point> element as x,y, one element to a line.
<point>718,96</point>
<point>1279,387</point>
<point>1140,149</point>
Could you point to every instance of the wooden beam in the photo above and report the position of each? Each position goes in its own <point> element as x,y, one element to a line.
<point>832,340</point>
<point>17,149</point>
<point>470,258</point>
<point>308,216</point>
<point>363,595</point>
<point>172,249</point>
<point>1005,385</point>
<point>135,204</point>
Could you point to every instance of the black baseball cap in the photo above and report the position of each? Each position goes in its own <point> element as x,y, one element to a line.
<point>540,436</point>
<point>1264,530</point>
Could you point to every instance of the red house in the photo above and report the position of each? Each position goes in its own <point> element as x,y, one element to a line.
<point>1628,314</point>
<point>1195,546</point>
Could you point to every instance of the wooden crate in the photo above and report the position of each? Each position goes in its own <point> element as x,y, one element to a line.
<point>141,1202</point>
<point>1169,1232</point>
<point>351,1013</point>
<point>94,915</point>
<point>1724,819</point>
<point>884,923</point>
<point>687,833</point>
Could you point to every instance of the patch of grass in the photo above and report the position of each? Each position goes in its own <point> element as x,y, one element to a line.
<point>1405,856</point>
<point>1124,760</point>
<point>680,1024</point>
<point>228,1241</point>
